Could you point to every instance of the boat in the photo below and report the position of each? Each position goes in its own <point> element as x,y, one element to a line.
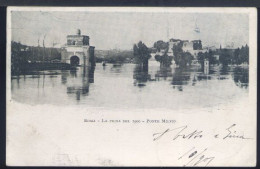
<point>117,64</point>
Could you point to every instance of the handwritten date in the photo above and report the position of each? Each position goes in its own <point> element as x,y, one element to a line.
<point>194,157</point>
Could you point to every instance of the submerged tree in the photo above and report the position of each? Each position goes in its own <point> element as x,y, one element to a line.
<point>181,58</point>
<point>207,55</point>
<point>240,55</point>
<point>19,58</point>
<point>159,45</point>
<point>142,54</point>
<point>177,52</point>
<point>165,60</point>
<point>225,57</point>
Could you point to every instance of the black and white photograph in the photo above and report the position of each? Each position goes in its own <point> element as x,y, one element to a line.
<point>131,86</point>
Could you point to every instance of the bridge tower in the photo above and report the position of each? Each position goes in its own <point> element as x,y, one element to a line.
<point>77,51</point>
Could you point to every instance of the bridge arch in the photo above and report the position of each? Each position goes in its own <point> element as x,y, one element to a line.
<point>74,60</point>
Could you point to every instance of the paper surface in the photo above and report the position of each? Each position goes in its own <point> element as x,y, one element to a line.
<point>117,114</point>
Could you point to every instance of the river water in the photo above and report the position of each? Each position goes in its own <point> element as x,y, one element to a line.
<point>127,86</point>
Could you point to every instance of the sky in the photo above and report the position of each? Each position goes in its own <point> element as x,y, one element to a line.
<point>117,30</point>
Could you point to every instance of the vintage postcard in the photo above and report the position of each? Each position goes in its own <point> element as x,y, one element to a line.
<point>135,86</point>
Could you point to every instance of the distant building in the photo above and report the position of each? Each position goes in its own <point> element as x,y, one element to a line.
<point>208,48</point>
<point>24,48</point>
<point>173,42</point>
<point>197,45</point>
<point>187,46</point>
<point>193,47</point>
<point>77,51</point>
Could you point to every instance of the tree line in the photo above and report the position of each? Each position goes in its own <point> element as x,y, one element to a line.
<point>22,56</point>
<point>226,56</point>
<point>115,56</point>
<point>182,58</point>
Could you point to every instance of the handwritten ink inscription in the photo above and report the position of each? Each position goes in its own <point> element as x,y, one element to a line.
<point>183,133</point>
<point>195,157</point>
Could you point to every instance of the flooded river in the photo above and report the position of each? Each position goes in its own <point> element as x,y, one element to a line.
<point>127,86</point>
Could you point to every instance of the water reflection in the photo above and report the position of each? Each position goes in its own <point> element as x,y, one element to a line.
<point>202,76</point>
<point>190,75</point>
<point>64,76</point>
<point>79,86</point>
<point>93,87</point>
<point>224,70</point>
<point>116,68</point>
<point>163,73</point>
<point>180,77</point>
<point>240,77</point>
<point>194,80</point>
<point>91,75</point>
<point>141,76</point>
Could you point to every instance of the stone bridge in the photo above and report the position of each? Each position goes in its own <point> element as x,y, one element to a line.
<point>77,51</point>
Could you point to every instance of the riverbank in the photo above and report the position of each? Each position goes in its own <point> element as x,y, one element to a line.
<point>27,68</point>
